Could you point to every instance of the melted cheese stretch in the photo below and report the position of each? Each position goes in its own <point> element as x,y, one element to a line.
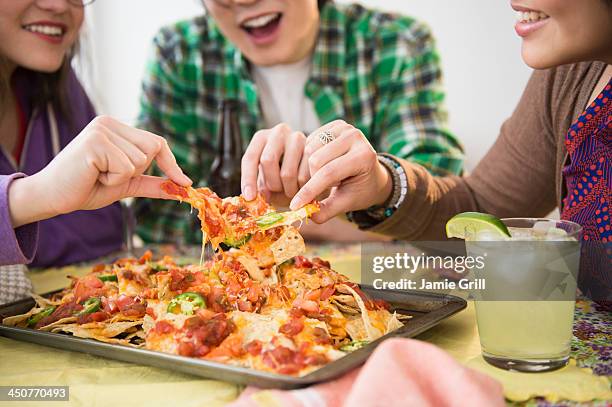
<point>233,218</point>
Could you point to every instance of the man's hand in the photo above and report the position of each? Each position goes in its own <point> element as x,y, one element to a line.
<point>271,163</point>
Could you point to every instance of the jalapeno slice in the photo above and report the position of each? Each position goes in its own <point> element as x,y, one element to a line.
<point>269,219</point>
<point>34,319</point>
<point>156,268</point>
<point>237,243</point>
<point>353,346</point>
<point>186,303</point>
<point>90,306</point>
<point>108,277</point>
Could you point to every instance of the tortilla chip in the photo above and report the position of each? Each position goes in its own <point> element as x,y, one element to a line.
<point>367,324</point>
<point>259,327</point>
<point>109,329</point>
<point>250,264</point>
<point>45,302</point>
<point>345,303</point>
<point>17,319</point>
<point>393,323</point>
<point>80,332</point>
<point>289,245</point>
<point>163,286</point>
<point>97,330</point>
<point>345,299</point>
<point>117,328</point>
<point>381,323</point>
<point>356,329</point>
<point>345,308</point>
<point>120,318</point>
<point>59,322</point>
<point>147,323</point>
<point>135,345</point>
<point>138,334</point>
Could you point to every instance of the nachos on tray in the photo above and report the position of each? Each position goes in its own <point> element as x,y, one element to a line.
<point>258,304</point>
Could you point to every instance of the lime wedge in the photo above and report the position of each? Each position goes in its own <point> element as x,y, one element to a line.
<point>475,223</point>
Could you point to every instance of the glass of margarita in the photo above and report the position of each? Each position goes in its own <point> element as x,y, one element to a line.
<point>526,312</point>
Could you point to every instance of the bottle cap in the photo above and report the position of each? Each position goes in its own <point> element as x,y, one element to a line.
<point>230,103</point>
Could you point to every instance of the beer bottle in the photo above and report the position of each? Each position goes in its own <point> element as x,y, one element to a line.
<point>224,176</point>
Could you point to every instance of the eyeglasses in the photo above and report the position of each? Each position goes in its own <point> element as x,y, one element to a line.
<point>81,3</point>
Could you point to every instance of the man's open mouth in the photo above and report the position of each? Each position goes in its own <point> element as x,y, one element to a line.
<point>262,26</point>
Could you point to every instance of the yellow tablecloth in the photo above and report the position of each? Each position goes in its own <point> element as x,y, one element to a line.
<point>97,381</point>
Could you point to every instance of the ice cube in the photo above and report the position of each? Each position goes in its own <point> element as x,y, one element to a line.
<point>544,226</point>
<point>556,234</point>
<point>488,236</point>
<point>522,233</point>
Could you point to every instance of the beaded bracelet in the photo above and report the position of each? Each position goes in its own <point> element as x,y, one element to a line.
<point>378,213</point>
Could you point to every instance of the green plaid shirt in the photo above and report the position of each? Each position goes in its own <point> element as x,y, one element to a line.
<point>377,71</point>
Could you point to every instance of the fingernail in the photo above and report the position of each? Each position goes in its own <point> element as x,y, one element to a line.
<point>295,204</point>
<point>187,180</point>
<point>248,193</point>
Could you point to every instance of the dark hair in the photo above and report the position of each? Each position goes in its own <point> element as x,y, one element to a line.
<point>46,87</point>
<point>5,82</point>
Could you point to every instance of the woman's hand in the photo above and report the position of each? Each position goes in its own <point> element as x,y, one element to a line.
<point>271,164</point>
<point>103,164</point>
<point>347,167</point>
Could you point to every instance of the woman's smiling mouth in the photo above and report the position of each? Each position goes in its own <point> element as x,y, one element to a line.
<point>49,31</point>
<point>528,21</point>
<point>262,29</point>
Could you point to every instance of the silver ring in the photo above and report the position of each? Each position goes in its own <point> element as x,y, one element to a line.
<point>326,137</point>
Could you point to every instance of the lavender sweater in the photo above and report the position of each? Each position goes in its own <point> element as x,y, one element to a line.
<point>66,239</point>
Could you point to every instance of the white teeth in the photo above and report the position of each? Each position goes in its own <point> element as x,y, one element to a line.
<point>45,29</point>
<point>529,16</point>
<point>260,21</point>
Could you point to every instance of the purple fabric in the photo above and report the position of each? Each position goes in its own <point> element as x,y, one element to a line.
<point>17,246</point>
<point>78,236</point>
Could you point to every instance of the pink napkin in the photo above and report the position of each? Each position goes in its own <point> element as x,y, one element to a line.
<point>400,372</point>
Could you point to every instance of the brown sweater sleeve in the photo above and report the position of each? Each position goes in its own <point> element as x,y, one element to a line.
<point>515,178</point>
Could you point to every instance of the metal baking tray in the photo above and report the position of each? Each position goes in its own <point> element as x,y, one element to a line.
<point>426,309</point>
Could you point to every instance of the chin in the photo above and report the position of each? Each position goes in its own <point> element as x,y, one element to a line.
<point>537,59</point>
<point>50,69</point>
<point>44,65</point>
<point>543,57</point>
<point>269,59</point>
